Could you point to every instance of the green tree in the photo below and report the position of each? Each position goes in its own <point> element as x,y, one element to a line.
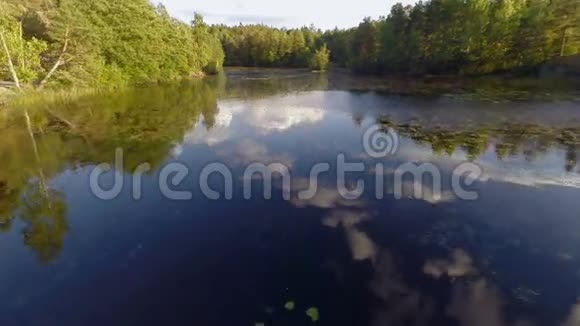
<point>320,59</point>
<point>209,47</point>
<point>364,47</point>
<point>20,58</point>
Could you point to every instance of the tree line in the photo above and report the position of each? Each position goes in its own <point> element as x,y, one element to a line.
<point>263,46</point>
<point>460,36</point>
<point>101,43</point>
<point>471,37</point>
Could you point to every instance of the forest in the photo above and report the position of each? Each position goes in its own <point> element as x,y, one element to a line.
<point>101,44</point>
<point>263,46</point>
<point>456,36</point>
<point>471,37</point>
<point>109,43</point>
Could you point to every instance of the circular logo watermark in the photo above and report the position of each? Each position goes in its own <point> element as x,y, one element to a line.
<point>379,143</point>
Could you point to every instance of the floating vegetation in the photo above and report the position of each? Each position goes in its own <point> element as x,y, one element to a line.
<point>289,305</point>
<point>313,313</point>
<point>508,139</point>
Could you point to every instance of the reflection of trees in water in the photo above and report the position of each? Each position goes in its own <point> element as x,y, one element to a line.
<point>257,83</point>
<point>509,140</point>
<point>146,123</point>
<point>25,195</point>
<point>571,158</point>
<point>44,212</point>
<point>252,84</point>
<point>8,203</point>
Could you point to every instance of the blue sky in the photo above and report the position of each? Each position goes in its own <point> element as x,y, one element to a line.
<point>325,14</point>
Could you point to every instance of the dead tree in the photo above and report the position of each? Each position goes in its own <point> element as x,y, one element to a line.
<point>9,58</point>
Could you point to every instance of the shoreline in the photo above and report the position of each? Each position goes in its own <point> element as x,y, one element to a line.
<point>483,87</point>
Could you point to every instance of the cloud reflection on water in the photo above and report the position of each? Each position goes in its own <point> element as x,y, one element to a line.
<point>260,116</point>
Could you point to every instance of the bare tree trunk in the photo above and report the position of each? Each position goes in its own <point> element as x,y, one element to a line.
<point>563,46</point>
<point>22,62</point>
<point>52,70</point>
<point>59,62</point>
<point>31,134</point>
<point>10,64</point>
<point>43,183</point>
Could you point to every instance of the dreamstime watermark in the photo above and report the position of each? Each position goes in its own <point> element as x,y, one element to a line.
<point>378,143</point>
<point>409,180</point>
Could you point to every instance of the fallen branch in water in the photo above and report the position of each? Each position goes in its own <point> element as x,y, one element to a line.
<point>61,119</point>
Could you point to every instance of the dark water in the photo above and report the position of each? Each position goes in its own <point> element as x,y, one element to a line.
<point>511,257</point>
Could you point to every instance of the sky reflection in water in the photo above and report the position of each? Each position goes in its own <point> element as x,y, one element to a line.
<point>509,258</point>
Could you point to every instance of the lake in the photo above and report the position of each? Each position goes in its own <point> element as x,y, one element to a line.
<point>180,232</point>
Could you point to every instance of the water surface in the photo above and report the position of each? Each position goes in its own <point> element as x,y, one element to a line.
<point>512,257</point>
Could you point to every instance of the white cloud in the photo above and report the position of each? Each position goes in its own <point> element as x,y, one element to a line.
<point>477,304</point>
<point>401,304</point>
<point>423,190</point>
<point>529,174</point>
<point>326,197</point>
<point>269,120</point>
<point>344,217</point>
<point>573,318</point>
<point>361,245</point>
<point>248,151</point>
<point>220,131</point>
<point>257,115</point>
<point>459,265</point>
